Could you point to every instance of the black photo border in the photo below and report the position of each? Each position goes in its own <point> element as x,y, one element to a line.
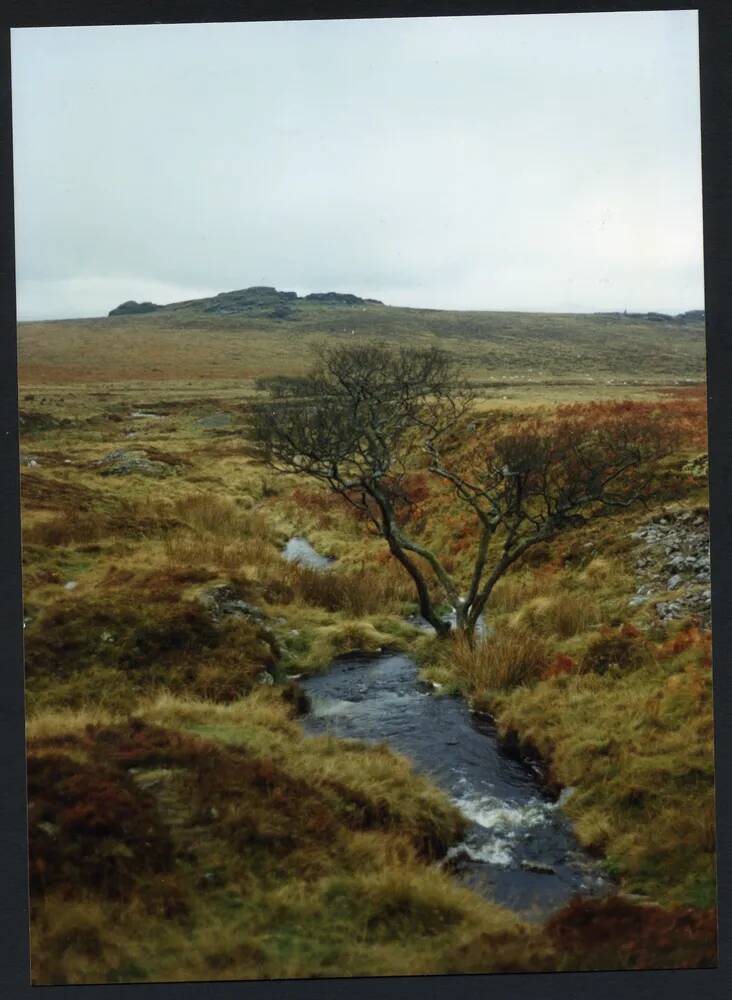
<point>715,38</point>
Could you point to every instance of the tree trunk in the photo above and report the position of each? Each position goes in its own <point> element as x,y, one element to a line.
<point>426,608</point>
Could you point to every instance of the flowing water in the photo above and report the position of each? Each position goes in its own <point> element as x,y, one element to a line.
<point>519,849</point>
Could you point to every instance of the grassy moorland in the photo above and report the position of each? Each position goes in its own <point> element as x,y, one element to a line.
<point>190,343</point>
<point>181,826</point>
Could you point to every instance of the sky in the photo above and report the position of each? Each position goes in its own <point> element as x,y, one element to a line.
<point>541,163</point>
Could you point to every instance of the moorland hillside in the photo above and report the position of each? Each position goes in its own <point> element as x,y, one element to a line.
<point>258,332</point>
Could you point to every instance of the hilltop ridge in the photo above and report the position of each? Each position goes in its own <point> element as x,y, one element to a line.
<point>260,332</point>
<point>255,298</point>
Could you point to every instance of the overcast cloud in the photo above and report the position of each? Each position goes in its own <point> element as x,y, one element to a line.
<point>533,163</point>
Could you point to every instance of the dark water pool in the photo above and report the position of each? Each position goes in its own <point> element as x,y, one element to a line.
<point>519,849</point>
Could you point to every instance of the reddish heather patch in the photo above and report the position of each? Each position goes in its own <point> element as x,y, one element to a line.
<point>619,934</point>
<point>561,664</point>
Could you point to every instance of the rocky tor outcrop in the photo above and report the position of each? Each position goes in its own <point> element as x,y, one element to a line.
<point>262,299</point>
<point>131,307</point>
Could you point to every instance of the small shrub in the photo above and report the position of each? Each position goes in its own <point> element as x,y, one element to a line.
<point>537,555</point>
<point>619,934</point>
<point>89,825</point>
<point>618,651</point>
<point>687,638</point>
<point>206,512</point>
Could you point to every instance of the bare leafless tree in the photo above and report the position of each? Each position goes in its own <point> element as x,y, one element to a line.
<point>367,416</point>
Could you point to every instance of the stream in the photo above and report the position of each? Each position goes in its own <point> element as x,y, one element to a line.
<point>519,849</point>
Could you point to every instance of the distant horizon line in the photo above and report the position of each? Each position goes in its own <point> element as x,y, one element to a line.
<point>533,311</point>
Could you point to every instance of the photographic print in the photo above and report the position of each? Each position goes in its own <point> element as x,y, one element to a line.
<point>363,443</point>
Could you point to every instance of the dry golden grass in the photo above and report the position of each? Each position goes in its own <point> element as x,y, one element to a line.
<point>636,743</point>
<point>504,660</point>
<point>61,722</point>
<point>638,749</point>
<point>344,892</point>
<point>356,594</point>
<point>511,592</point>
<point>563,614</point>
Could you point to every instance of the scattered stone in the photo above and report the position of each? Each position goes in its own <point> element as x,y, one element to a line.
<point>152,779</point>
<point>125,463</point>
<point>265,677</point>
<point>636,601</point>
<point>566,794</point>
<point>143,415</point>
<point>212,879</point>
<point>538,867</point>
<point>456,858</point>
<point>697,467</point>
<point>223,599</point>
<point>215,421</point>
<point>71,585</point>
<point>339,298</point>
<point>674,556</point>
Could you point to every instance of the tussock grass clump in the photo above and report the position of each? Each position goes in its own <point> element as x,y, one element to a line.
<point>512,591</point>
<point>219,515</point>
<point>563,614</point>
<point>345,636</point>
<point>182,548</point>
<point>215,531</point>
<point>500,662</point>
<point>60,529</point>
<point>370,591</point>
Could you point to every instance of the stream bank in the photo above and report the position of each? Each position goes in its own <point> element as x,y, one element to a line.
<point>519,849</point>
